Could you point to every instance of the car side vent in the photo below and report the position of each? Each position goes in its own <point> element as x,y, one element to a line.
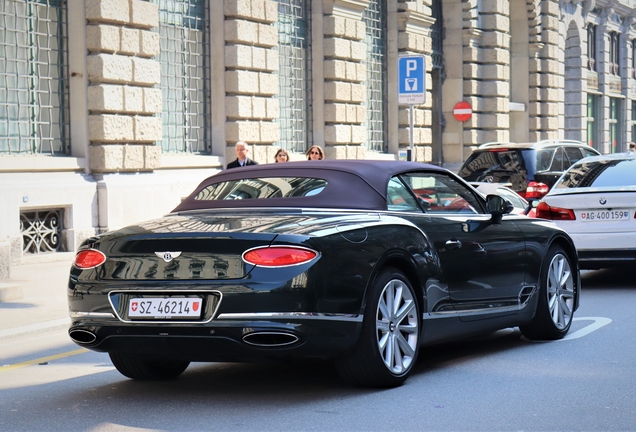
<point>525,295</point>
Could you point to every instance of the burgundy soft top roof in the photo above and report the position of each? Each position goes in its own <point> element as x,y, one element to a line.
<point>351,184</point>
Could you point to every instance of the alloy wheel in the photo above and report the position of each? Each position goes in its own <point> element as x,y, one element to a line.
<point>397,326</point>
<point>560,291</point>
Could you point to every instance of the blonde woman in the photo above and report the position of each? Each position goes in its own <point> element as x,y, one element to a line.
<point>281,156</point>
<point>315,153</point>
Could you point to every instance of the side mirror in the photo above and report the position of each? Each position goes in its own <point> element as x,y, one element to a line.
<point>426,205</point>
<point>498,206</point>
<point>532,204</point>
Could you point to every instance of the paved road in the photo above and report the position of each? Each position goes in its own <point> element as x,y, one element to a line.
<point>499,382</point>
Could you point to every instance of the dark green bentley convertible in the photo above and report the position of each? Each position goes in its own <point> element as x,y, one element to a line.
<point>362,262</point>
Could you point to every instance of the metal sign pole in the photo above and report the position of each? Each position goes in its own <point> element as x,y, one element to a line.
<point>411,91</point>
<point>412,127</point>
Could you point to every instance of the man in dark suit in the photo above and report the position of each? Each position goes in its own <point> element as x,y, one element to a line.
<point>241,156</point>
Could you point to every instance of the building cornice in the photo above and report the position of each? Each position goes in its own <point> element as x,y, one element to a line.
<point>415,22</point>
<point>352,9</point>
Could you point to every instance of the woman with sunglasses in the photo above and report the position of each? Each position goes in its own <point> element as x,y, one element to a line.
<point>281,156</point>
<point>315,153</point>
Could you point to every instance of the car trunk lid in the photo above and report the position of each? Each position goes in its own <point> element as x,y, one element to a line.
<point>196,246</point>
<point>600,203</point>
<point>208,246</point>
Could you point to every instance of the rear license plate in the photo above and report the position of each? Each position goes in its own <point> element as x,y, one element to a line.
<point>165,308</point>
<point>605,215</point>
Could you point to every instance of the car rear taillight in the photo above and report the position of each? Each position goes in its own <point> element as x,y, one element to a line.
<point>536,190</point>
<point>278,256</point>
<point>89,258</point>
<point>498,150</point>
<point>545,211</point>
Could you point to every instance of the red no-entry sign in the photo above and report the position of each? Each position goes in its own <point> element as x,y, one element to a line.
<point>462,111</point>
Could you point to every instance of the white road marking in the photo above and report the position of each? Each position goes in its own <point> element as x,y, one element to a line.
<point>597,324</point>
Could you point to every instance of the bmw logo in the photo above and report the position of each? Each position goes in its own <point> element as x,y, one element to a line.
<point>603,201</point>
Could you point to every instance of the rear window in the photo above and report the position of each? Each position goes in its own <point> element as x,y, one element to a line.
<point>599,173</point>
<point>262,188</point>
<point>496,162</point>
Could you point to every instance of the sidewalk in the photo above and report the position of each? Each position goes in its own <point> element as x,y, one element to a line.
<point>43,279</point>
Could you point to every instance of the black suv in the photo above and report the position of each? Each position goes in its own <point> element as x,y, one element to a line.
<point>530,169</point>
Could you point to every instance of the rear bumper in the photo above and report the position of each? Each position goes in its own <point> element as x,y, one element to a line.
<point>603,258</point>
<point>604,249</point>
<point>601,241</point>
<point>222,340</point>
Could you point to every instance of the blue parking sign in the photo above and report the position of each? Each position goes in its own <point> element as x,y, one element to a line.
<point>411,80</point>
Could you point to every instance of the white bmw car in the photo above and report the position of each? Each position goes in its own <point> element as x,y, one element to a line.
<point>595,202</point>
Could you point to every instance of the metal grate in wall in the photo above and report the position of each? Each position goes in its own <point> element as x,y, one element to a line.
<point>185,71</point>
<point>41,231</point>
<point>295,80</point>
<point>33,77</point>
<point>375,20</point>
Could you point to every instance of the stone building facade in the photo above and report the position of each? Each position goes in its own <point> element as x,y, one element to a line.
<point>123,106</point>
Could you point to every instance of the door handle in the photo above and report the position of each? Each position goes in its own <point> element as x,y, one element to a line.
<point>453,244</point>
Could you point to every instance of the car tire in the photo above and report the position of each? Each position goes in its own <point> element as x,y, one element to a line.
<point>139,368</point>
<point>389,340</point>
<point>555,306</point>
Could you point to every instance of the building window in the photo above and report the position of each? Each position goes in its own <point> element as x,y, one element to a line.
<point>437,35</point>
<point>185,68</point>
<point>634,121</point>
<point>614,53</point>
<point>614,125</point>
<point>592,130</point>
<point>591,47</point>
<point>34,78</point>
<point>634,58</point>
<point>295,92</point>
<point>375,20</point>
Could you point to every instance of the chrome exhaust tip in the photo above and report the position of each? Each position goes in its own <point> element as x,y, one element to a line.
<point>270,339</point>
<point>82,337</point>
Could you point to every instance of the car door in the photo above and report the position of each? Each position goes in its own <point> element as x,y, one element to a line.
<point>481,261</point>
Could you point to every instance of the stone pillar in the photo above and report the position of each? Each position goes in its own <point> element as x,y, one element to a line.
<point>122,124</point>
<point>487,73</point>
<point>344,75</point>
<point>453,87</point>
<point>547,71</point>
<point>520,22</point>
<point>604,77</point>
<point>414,38</point>
<point>575,97</point>
<point>251,77</point>
<point>629,73</point>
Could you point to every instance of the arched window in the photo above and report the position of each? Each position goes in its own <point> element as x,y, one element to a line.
<point>34,77</point>
<point>295,80</point>
<point>185,67</point>
<point>375,20</point>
